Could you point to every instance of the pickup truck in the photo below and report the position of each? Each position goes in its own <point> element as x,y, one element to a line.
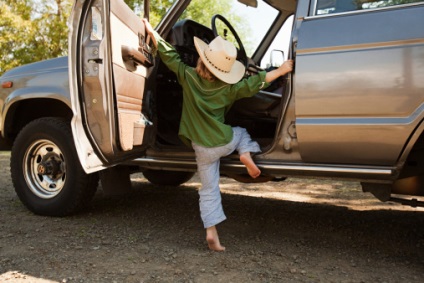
<point>352,108</point>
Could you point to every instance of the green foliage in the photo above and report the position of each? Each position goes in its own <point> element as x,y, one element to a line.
<point>203,16</point>
<point>15,30</point>
<point>32,30</point>
<point>197,12</point>
<point>158,8</point>
<point>52,30</point>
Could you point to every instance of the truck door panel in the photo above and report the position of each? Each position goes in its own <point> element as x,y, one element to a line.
<point>112,73</point>
<point>359,80</point>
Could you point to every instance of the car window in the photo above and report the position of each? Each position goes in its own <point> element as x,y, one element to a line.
<point>324,7</point>
<point>277,52</point>
<point>251,24</point>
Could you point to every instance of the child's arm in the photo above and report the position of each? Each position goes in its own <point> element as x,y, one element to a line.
<point>167,52</point>
<point>150,30</point>
<point>251,85</point>
<point>287,67</point>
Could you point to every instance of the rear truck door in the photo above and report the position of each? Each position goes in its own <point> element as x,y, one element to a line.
<point>356,85</point>
<point>109,67</point>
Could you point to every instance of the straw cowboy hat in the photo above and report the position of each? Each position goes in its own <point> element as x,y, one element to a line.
<point>220,58</point>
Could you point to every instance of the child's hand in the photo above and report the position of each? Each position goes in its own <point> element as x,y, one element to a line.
<point>149,30</point>
<point>287,67</point>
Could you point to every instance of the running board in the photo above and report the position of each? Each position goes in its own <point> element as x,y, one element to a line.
<point>292,170</point>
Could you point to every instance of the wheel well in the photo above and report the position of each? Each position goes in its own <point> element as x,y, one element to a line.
<point>23,112</point>
<point>409,182</point>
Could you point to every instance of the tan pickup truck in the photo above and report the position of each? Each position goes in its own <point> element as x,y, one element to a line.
<point>351,109</point>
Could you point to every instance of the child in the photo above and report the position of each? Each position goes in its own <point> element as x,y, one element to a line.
<point>209,90</point>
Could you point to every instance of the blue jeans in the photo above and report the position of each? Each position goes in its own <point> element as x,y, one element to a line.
<point>208,160</point>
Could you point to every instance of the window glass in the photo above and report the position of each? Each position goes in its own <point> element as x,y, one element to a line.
<point>325,7</point>
<point>251,24</point>
<point>278,51</point>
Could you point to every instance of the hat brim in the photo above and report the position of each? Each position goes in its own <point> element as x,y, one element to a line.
<point>232,77</point>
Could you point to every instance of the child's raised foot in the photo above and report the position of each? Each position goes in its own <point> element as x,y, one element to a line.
<point>251,167</point>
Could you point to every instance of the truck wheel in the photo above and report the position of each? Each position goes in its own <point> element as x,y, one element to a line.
<point>46,171</point>
<point>167,178</point>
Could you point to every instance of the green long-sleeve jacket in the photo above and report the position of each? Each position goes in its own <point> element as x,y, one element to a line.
<point>205,103</point>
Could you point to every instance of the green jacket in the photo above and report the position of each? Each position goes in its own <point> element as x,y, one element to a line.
<point>205,103</point>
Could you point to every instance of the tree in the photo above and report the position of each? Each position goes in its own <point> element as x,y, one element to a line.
<point>197,12</point>
<point>32,30</point>
<point>16,31</point>
<point>158,8</point>
<point>52,30</point>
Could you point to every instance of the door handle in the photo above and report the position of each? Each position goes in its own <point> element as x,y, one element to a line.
<point>136,56</point>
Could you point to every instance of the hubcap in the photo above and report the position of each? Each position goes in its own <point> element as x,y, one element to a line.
<point>44,169</point>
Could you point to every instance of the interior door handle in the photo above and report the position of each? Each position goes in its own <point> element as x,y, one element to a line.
<point>136,56</point>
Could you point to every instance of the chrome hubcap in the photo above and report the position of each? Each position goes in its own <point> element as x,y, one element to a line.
<point>44,169</point>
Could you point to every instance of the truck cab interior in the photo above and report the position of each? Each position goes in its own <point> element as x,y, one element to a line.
<point>258,114</point>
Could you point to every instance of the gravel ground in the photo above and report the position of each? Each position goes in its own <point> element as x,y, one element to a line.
<point>293,231</point>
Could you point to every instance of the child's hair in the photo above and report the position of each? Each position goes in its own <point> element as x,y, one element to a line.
<point>203,71</point>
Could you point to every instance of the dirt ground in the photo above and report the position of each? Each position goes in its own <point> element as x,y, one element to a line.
<point>292,231</point>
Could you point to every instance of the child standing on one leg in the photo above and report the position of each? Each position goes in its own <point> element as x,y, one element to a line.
<point>209,90</point>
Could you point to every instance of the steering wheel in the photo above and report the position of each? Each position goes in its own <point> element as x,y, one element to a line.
<point>241,54</point>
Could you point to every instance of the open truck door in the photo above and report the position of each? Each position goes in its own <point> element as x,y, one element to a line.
<point>109,66</point>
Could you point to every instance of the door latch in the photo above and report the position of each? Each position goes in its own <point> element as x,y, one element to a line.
<point>95,60</point>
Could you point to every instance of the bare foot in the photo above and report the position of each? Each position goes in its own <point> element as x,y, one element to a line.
<point>213,239</point>
<point>251,167</point>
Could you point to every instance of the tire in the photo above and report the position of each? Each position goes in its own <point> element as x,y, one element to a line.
<point>46,172</point>
<point>167,178</point>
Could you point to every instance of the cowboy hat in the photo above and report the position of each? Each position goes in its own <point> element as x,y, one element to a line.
<point>220,59</point>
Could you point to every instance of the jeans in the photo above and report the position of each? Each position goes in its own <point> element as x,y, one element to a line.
<point>208,161</point>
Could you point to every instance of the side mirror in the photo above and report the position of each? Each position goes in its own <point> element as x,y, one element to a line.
<point>277,58</point>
